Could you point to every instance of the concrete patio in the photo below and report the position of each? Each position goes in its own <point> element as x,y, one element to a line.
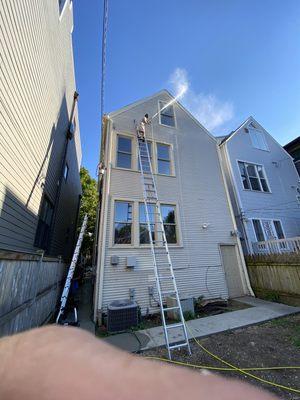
<point>258,312</point>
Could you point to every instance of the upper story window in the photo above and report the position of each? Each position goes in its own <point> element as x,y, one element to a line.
<point>124,152</point>
<point>163,159</point>
<point>123,222</point>
<point>144,231</point>
<point>42,235</point>
<point>61,4</point>
<point>166,115</point>
<point>258,138</point>
<point>253,177</point>
<point>66,172</point>
<point>259,233</point>
<point>169,219</point>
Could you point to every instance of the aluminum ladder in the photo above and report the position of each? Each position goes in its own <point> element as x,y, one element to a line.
<point>65,293</point>
<point>163,268</point>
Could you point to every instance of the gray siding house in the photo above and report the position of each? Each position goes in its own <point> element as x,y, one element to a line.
<point>293,148</point>
<point>39,130</point>
<point>201,231</point>
<point>263,185</point>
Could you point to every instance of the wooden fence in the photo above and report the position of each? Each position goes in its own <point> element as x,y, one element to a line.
<point>275,273</point>
<point>30,287</point>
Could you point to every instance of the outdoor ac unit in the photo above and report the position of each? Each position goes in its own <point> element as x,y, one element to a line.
<point>122,315</point>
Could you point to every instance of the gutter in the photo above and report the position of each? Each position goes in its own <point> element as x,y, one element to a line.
<point>103,216</point>
<point>243,264</point>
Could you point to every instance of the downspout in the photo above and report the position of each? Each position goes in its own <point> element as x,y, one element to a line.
<point>69,137</point>
<point>242,259</point>
<point>98,293</point>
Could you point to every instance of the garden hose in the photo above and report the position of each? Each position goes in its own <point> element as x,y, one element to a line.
<point>243,371</point>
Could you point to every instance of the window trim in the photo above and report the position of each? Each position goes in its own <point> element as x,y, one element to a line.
<point>133,143</point>
<point>271,219</point>
<point>112,239</point>
<point>251,128</point>
<point>171,160</point>
<point>159,115</point>
<point>264,172</point>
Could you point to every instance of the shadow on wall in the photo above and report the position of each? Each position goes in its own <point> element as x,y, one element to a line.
<point>23,229</point>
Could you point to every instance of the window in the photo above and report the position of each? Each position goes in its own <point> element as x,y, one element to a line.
<point>124,152</point>
<point>123,222</point>
<point>278,229</point>
<point>169,220</point>
<point>260,237</point>
<point>163,159</point>
<point>253,177</point>
<point>144,158</point>
<point>66,171</point>
<point>42,235</point>
<point>258,139</point>
<point>167,116</point>
<point>144,231</point>
<point>61,4</point>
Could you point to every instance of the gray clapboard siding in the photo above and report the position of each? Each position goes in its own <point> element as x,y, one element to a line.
<point>36,96</point>
<point>281,203</point>
<point>197,189</point>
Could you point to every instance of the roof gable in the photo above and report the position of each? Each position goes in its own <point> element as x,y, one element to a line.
<point>165,92</point>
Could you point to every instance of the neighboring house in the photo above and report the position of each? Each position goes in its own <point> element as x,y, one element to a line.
<point>40,141</point>
<point>293,148</point>
<point>206,254</point>
<point>263,186</point>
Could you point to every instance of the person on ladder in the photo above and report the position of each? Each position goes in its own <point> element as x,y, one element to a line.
<point>141,128</point>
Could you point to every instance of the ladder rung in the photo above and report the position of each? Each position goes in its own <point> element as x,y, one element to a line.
<point>171,308</point>
<point>165,277</point>
<point>168,292</point>
<point>177,346</point>
<point>173,326</point>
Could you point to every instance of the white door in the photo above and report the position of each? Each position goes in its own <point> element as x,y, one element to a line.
<point>232,271</point>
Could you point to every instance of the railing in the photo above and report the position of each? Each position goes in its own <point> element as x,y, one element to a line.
<point>277,246</point>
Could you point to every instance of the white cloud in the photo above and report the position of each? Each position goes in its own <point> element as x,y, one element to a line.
<point>207,108</point>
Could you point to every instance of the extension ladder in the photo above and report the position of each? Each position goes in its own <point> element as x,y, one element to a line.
<point>65,293</point>
<point>163,268</point>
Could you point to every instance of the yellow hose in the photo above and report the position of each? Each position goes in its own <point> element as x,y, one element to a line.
<point>232,367</point>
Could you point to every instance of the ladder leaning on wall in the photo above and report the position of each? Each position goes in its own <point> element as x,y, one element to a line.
<point>163,268</point>
<point>65,293</point>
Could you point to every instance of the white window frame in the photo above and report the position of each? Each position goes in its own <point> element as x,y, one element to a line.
<point>255,140</point>
<point>273,226</point>
<point>159,114</point>
<point>133,143</point>
<point>172,169</point>
<point>257,176</point>
<point>113,212</point>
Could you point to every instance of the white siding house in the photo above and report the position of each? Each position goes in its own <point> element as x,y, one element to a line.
<point>264,188</point>
<point>39,161</point>
<point>205,251</point>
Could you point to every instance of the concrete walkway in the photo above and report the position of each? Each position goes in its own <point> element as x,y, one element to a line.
<point>259,311</point>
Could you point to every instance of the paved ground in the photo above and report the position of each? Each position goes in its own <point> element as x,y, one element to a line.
<point>260,311</point>
<point>85,307</point>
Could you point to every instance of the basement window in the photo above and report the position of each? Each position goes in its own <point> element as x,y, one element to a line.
<point>123,222</point>
<point>166,115</point>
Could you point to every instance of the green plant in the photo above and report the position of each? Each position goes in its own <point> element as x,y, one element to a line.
<point>188,315</point>
<point>272,296</point>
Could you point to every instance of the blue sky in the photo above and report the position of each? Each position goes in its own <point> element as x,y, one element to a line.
<point>240,58</point>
